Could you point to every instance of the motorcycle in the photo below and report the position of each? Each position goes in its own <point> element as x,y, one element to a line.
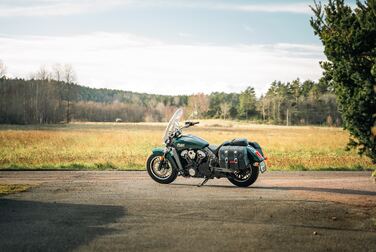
<point>238,160</point>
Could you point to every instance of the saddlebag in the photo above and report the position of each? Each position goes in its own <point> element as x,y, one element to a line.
<point>233,157</point>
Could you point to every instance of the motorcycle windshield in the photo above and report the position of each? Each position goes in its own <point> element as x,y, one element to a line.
<point>173,124</point>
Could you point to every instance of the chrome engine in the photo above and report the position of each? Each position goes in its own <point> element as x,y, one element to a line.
<point>194,160</point>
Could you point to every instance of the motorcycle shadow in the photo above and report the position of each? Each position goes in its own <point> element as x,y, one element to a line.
<point>319,189</point>
<point>291,188</point>
<point>209,185</point>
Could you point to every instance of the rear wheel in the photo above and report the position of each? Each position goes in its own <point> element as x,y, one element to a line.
<point>161,169</point>
<point>244,178</point>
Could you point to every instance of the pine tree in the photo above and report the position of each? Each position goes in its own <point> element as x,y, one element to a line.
<point>247,103</point>
<point>349,39</point>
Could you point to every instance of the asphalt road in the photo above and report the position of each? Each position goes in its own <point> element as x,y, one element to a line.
<point>127,211</point>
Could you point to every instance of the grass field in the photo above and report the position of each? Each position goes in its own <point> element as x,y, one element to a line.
<point>126,146</point>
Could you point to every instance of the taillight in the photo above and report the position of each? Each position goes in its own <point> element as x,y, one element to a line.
<point>259,155</point>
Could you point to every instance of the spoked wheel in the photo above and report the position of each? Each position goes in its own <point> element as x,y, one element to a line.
<point>244,178</point>
<point>161,169</point>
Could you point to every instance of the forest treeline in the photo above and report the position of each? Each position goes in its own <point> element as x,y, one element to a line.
<point>53,97</point>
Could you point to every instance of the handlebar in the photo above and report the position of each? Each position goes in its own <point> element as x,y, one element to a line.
<point>188,124</point>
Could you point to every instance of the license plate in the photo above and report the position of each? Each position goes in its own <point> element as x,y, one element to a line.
<point>262,166</point>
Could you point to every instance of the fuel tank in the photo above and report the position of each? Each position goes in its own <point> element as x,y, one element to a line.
<point>189,142</point>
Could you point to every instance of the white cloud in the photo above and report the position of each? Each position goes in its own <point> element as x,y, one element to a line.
<point>58,8</point>
<point>271,7</point>
<point>128,62</point>
<point>71,7</point>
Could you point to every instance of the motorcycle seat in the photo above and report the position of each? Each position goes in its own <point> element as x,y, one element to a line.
<point>215,148</point>
<point>239,142</point>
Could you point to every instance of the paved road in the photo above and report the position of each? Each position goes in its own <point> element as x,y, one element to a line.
<point>109,211</point>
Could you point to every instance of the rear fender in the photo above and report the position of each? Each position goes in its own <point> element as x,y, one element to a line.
<point>255,155</point>
<point>257,147</point>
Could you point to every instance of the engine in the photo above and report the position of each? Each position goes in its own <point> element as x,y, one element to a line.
<point>194,161</point>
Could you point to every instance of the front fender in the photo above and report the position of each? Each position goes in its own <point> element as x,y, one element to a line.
<point>160,152</point>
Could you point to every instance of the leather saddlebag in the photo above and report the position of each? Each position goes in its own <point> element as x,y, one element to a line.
<point>233,157</point>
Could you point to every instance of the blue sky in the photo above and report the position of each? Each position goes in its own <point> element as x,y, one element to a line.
<point>163,46</point>
<point>170,22</point>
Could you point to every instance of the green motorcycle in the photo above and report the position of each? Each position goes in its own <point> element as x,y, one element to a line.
<point>239,160</point>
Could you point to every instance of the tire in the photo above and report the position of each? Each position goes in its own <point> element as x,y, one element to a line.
<point>172,172</point>
<point>247,181</point>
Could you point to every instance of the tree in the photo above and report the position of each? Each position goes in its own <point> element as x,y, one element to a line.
<point>225,108</point>
<point>349,39</point>
<point>198,105</point>
<point>69,77</point>
<point>57,72</point>
<point>247,103</point>
<point>2,91</point>
<point>3,69</point>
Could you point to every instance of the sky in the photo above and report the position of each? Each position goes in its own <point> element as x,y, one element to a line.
<point>163,46</point>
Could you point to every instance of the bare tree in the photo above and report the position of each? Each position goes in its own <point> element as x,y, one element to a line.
<point>225,109</point>
<point>3,103</point>
<point>3,69</point>
<point>43,73</point>
<point>42,93</point>
<point>69,73</point>
<point>57,72</point>
<point>198,105</point>
<point>69,78</point>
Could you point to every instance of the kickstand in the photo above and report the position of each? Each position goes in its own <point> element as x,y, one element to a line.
<point>203,182</point>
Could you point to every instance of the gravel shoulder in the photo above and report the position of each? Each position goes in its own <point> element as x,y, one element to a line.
<point>117,211</point>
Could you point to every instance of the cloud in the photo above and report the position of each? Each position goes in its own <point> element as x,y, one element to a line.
<point>72,7</point>
<point>129,62</point>
<point>271,7</point>
<point>58,8</point>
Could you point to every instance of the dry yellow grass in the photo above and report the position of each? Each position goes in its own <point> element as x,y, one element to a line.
<point>127,146</point>
<point>13,188</point>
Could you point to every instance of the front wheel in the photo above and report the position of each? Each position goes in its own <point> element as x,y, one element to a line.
<point>244,178</point>
<point>161,169</point>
